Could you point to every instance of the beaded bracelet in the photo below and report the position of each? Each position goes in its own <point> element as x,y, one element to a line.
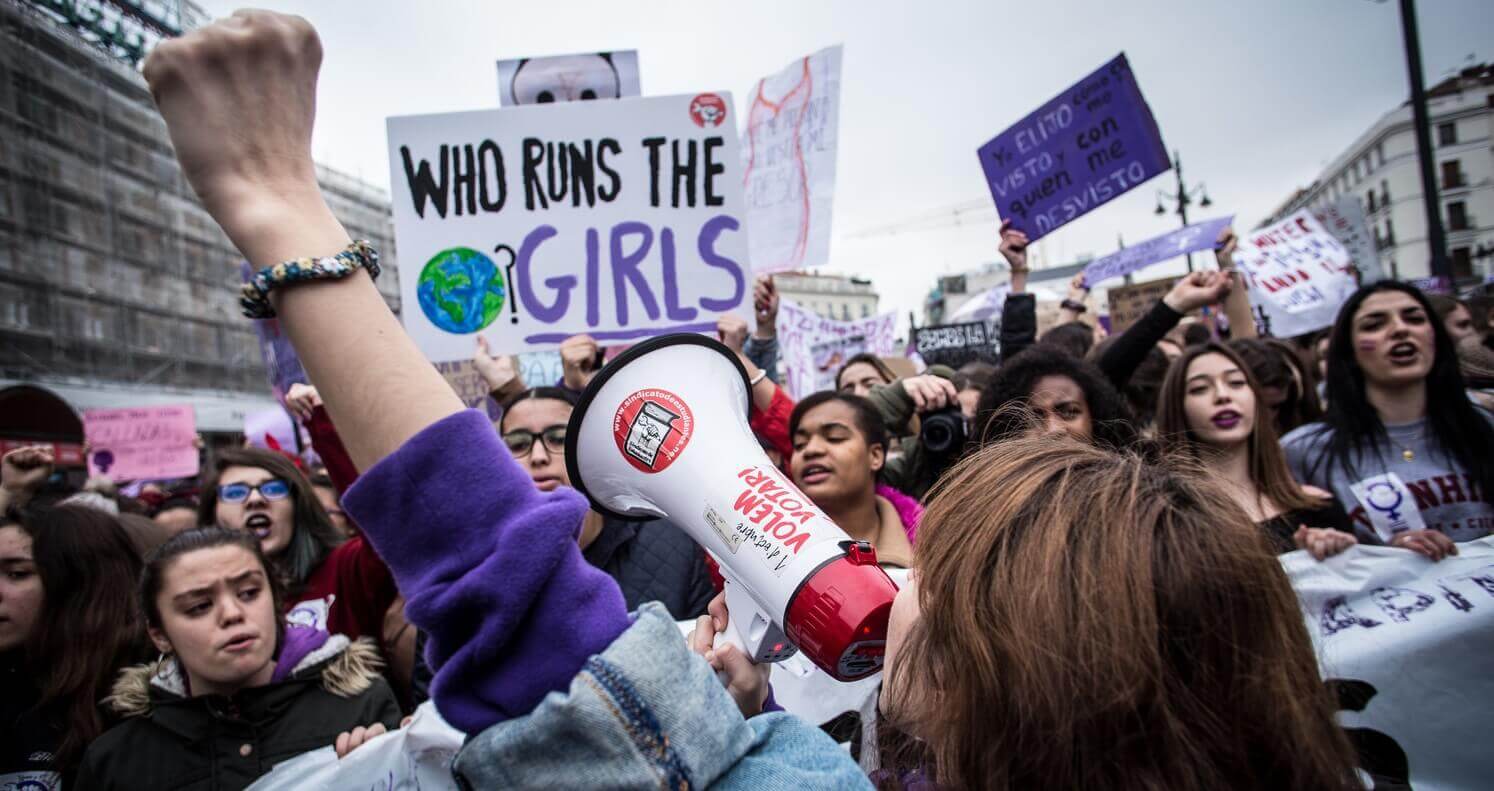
<point>254,298</point>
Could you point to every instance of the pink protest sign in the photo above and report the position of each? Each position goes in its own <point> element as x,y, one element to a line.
<point>156,442</point>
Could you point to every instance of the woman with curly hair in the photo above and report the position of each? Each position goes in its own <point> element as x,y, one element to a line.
<point>1067,395</point>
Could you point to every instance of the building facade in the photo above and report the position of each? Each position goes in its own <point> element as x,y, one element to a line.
<point>1380,170</point>
<point>116,287</point>
<point>836,297</point>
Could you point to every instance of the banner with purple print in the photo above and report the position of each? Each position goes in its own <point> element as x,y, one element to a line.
<point>1195,237</point>
<point>1087,146</point>
<point>620,219</point>
<point>813,348</point>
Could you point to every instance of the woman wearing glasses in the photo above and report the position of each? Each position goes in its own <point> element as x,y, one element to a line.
<point>651,560</point>
<point>332,584</point>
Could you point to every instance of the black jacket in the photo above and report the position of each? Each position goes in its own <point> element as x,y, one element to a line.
<point>170,741</point>
<point>28,737</point>
<point>653,561</point>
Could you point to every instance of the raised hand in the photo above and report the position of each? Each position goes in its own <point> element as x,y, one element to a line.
<point>496,372</point>
<point>1198,289</point>
<point>24,469</point>
<point>765,306</point>
<point>732,331</point>
<point>578,357</point>
<point>1013,247</point>
<point>302,400</point>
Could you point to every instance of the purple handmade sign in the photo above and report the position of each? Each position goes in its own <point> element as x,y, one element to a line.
<point>1087,146</point>
<point>1195,237</point>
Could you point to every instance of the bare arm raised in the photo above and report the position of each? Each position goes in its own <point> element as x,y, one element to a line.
<point>239,99</point>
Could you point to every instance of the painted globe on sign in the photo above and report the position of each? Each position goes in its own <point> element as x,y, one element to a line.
<point>460,290</point>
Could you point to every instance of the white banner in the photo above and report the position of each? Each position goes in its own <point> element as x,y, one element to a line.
<point>1407,642</point>
<point>622,219</point>
<point>1297,273</point>
<point>1345,220</point>
<point>813,348</point>
<point>417,756</point>
<point>789,137</point>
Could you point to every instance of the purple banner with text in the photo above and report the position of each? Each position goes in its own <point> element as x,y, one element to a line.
<point>1087,146</point>
<point>1190,239</point>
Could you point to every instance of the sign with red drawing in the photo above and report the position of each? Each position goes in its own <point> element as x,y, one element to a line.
<point>788,163</point>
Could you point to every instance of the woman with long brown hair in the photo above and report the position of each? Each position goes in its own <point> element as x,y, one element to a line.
<point>67,625</point>
<point>1212,410</point>
<point>1082,618</point>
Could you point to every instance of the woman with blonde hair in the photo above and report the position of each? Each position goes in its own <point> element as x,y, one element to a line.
<point>1082,618</point>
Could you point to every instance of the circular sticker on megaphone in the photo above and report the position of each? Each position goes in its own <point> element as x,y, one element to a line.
<point>652,427</point>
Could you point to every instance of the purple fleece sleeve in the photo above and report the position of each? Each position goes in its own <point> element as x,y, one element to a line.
<point>489,568</point>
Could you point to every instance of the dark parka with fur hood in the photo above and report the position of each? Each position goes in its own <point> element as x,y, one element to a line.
<point>169,740</point>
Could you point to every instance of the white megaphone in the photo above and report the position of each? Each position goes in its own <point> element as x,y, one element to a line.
<point>662,431</point>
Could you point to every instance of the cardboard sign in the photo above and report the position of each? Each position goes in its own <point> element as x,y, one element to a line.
<point>621,219</point>
<point>1129,303</point>
<point>156,442</point>
<point>568,78</point>
<point>813,348</point>
<point>1195,237</point>
<point>789,137</point>
<point>954,344</point>
<point>1297,273</point>
<point>1087,146</point>
<point>1406,643</point>
<point>1345,220</point>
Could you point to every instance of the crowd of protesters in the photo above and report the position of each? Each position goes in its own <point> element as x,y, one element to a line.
<point>194,636</point>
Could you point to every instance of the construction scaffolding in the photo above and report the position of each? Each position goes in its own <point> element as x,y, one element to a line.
<point>110,270</point>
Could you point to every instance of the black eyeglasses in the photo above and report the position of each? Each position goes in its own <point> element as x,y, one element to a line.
<point>520,441</point>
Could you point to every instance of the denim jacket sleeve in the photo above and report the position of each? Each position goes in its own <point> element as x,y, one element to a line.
<point>763,352</point>
<point>647,713</point>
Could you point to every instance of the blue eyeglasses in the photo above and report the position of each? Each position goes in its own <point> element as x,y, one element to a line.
<point>273,489</point>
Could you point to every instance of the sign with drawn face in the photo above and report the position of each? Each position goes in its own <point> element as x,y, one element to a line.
<point>581,77</point>
<point>619,219</point>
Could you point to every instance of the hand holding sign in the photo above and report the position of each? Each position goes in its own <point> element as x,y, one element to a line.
<point>765,306</point>
<point>579,355</point>
<point>732,331</point>
<point>1197,290</point>
<point>498,372</point>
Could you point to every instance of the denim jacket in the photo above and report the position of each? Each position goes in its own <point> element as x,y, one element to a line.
<point>647,713</point>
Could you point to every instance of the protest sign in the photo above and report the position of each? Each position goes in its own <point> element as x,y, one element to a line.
<point>985,305</point>
<point>812,348</point>
<point>156,442</point>
<point>620,219</point>
<point>788,162</point>
<point>1405,643</point>
<point>1129,303</point>
<point>1087,146</point>
<point>1297,274</point>
<point>1345,220</point>
<point>1190,239</point>
<point>568,78</point>
<point>272,429</point>
<point>954,344</point>
<point>1436,284</point>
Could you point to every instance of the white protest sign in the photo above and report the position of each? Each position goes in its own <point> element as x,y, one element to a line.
<point>789,137</point>
<point>813,348</point>
<point>985,305</point>
<point>1297,274</point>
<point>568,78</point>
<point>417,756</point>
<point>1345,220</point>
<point>1407,642</point>
<point>621,219</point>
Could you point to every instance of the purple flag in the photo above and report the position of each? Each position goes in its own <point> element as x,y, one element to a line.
<point>1087,146</point>
<point>1195,237</point>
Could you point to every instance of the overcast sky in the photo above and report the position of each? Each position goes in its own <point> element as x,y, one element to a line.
<point>1257,96</point>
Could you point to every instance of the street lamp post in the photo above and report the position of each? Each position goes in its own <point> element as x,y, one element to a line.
<point>1183,197</point>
